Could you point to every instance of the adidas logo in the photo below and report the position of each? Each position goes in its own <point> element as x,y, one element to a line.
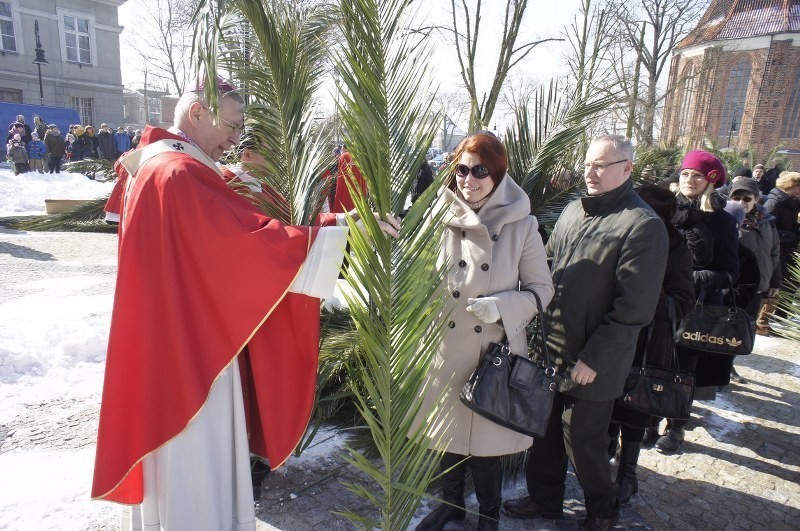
<point>733,342</point>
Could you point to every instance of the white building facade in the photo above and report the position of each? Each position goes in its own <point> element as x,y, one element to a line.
<point>81,44</point>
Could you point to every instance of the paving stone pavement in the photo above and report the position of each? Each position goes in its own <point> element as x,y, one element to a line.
<point>738,469</point>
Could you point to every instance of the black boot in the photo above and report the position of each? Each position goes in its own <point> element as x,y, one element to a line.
<point>627,483</point>
<point>487,474</point>
<point>671,441</point>
<point>650,437</point>
<point>453,484</point>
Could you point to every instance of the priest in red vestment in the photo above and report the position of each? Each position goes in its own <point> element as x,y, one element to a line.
<point>214,334</point>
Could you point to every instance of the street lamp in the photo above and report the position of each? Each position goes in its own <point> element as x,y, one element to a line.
<point>733,124</point>
<point>40,60</point>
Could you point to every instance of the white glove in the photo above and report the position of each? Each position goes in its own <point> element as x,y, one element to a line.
<point>485,309</point>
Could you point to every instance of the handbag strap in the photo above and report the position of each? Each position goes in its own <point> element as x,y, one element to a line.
<point>673,319</point>
<point>541,328</point>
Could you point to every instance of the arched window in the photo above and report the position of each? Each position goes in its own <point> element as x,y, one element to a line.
<point>791,120</point>
<point>735,96</point>
<point>687,100</point>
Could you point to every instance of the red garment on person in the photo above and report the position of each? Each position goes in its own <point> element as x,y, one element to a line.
<point>272,196</point>
<point>348,172</point>
<point>202,275</point>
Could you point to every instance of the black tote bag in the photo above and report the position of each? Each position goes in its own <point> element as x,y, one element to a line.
<point>511,390</point>
<point>718,329</point>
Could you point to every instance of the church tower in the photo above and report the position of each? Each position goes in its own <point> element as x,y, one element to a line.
<point>736,79</point>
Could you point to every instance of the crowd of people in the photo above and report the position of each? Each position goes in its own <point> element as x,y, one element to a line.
<point>618,268</point>
<point>43,148</point>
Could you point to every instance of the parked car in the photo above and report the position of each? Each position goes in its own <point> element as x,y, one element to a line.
<point>436,161</point>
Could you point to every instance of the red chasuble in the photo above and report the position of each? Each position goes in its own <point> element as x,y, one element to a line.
<point>202,275</point>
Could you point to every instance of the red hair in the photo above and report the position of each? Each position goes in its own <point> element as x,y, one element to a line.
<point>491,151</point>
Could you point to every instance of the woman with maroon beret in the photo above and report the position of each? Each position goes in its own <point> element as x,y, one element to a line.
<point>713,238</point>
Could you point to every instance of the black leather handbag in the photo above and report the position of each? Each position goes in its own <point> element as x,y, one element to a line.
<point>718,329</point>
<point>657,391</point>
<point>514,391</point>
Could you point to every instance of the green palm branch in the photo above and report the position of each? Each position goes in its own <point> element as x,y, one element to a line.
<point>653,164</point>
<point>85,218</point>
<point>545,143</point>
<point>789,302</point>
<point>395,297</point>
<point>277,52</point>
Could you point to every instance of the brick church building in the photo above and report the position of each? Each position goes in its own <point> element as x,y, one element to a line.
<point>736,79</point>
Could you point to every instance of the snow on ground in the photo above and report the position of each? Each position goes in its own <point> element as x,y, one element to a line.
<point>53,337</point>
<point>24,194</point>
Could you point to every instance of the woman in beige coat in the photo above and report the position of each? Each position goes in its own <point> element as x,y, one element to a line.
<point>493,247</point>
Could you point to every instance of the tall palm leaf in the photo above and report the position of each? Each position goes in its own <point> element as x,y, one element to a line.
<point>544,143</point>
<point>396,297</point>
<point>276,51</point>
<point>789,301</point>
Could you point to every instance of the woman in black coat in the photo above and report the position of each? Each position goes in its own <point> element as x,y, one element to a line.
<point>783,202</point>
<point>714,241</point>
<point>677,290</point>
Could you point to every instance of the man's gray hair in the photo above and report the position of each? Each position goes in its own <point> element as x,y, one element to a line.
<point>621,144</point>
<point>188,98</point>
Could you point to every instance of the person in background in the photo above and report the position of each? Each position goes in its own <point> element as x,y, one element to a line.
<point>17,154</point>
<point>348,175</point>
<point>36,153</point>
<point>26,135</point>
<point>122,142</point>
<point>137,137</point>
<point>75,142</point>
<point>106,147</point>
<point>608,251</point>
<point>712,236</point>
<point>496,256</point>
<point>759,254</point>
<point>783,202</point>
<point>15,128</point>
<point>90,143</point>
<point>39,127</point>
<point>758,174</point>
<point>422,182</point>
<point>741,171</point>
<point>55,147</point>
<point>677,291</point>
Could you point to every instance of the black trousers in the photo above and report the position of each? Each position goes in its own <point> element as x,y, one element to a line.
<point>54,164</point>
<point>577,433</point>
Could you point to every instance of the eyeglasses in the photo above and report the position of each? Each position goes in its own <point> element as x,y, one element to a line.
<point>235,128</point>
<point>599,166</point>
<point>744,198</point>
<point>479,171</point>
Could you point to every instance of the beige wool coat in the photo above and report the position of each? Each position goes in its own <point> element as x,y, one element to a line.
<point>490,253</point>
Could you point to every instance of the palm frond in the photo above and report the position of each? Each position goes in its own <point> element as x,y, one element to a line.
<point>653,164</point>
<point>789,301</point>
<point>99,169</point>
<point>396,297</point>
<point>544,144</point>
<point>88,217</point>
<point>276,52</point>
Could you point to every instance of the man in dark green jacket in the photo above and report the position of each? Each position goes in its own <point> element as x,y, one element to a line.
<point>608,252</point>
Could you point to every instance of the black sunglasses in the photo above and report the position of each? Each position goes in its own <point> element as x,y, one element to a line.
<point>744,198</point>
<point>479,171</point>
